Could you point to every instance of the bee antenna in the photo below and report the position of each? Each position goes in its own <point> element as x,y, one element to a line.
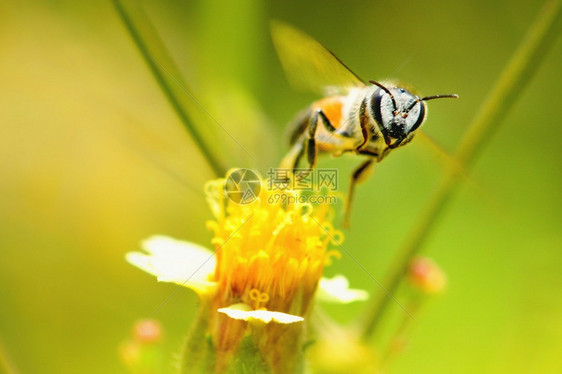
<point>387,91</point>
<point>453,96</point>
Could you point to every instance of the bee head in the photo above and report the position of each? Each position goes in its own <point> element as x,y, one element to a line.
<point>398,112</point>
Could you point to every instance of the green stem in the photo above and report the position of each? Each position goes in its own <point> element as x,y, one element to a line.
<point>391,351</point>
<point>516,75</point>
<point>198,354</point>
<point>165,72</point>
<point>6,366</point>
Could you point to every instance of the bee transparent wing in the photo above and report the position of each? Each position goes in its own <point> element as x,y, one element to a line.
<point>448,160</point>
<point>451,163</point>
<point>308,64</point>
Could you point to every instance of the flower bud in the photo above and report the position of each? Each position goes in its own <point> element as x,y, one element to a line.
<point>426,276</point>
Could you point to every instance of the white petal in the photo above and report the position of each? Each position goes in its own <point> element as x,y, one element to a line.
<point>336,290</point>
<point>245,312</point>
<point>176,261</point>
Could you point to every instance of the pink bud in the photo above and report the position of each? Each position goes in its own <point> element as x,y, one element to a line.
<point>147,331</point>
<point>425,275</point>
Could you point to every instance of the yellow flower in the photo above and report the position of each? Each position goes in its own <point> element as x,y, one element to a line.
<point>269,255</point>
<point>265,269</point>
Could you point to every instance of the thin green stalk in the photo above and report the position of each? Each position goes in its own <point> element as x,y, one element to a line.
<point>6,366</point>
<point>516,75</point>
<point>167,75</point>
<point>390,353</point>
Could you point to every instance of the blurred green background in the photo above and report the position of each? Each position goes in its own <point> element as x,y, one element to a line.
<point>93,159</point>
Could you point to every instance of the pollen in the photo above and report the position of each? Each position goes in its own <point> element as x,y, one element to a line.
<point>270,253</point>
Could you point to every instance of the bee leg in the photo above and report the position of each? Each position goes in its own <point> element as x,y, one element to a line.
<point>311,148</point>
<point>364,129</point>
<point>311,152</point>
<point>359,175</point>
<point>290,162</point>
<point>292,159</point>
<point>308,142</point>
<point>299,156</point>
<point>327,124</point>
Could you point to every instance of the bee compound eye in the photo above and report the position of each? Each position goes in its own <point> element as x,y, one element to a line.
<point>384,110</point>
<point>416,116</point>
<point>376,109</point>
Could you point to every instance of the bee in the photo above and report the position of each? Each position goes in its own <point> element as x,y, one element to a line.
<point>369,120</point>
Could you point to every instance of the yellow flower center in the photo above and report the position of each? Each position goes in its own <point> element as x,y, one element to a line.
<point>269,255</point>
